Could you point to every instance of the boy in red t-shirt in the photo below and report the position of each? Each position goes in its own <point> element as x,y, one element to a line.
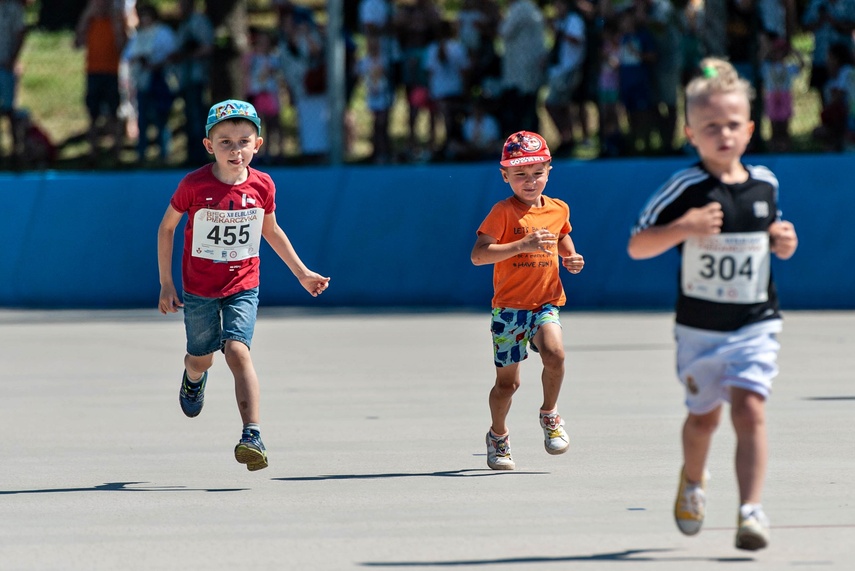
<point>230,207</point>
<point>523,236</point>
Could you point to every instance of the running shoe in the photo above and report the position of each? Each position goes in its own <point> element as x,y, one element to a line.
<point>555,440</point>
<point>499,452</point>
<point>192,396</point>
<point>250,451</point>
<point>753,530</point>
<point>690,505</point>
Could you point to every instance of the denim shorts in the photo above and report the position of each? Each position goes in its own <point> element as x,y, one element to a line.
<point>210,322</point>
<point>514,329</point>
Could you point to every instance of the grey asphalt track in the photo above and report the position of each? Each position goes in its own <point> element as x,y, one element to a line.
<point>374,425</point>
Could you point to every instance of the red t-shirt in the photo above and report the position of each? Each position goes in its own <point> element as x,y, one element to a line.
<point>230,218</point>
<point>529,279</point>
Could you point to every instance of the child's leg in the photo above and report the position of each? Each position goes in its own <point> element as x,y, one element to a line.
<point>550,344</point>
<point>748,413</point>
<point>697,437</point>
<point>246,381</point>
<point>507,383</point>
<point>196,366</point>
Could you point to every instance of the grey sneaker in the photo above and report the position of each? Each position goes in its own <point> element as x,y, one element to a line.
<point>499,452</point>
<point>753,530</point>
<point>250,450</point>
<point>555,440</point>
<point>691,505</point>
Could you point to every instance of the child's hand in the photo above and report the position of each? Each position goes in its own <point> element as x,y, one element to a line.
<point>542,240</point>
<point>782,239</point>
<point>704,221</point>
<point>169,301</point>
<point>314,283</point>
<point>574,263</point>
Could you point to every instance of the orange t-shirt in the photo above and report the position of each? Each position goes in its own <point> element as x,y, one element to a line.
<point>529,279</point>
<point>102,54</point>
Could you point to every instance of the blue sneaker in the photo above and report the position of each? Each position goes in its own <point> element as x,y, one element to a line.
<point>192,398</point>
<point>250,451</point>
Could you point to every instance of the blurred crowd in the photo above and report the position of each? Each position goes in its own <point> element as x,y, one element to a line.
<point>607,75</point>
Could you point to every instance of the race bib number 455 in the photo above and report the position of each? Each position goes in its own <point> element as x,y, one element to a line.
<point>727,268</point>
<point>227,235</point>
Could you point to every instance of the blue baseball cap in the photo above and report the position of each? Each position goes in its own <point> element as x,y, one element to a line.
<point>232,109</point>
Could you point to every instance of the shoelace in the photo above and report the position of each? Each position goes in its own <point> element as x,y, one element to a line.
<point>192,392</point>
<point>692,501</point>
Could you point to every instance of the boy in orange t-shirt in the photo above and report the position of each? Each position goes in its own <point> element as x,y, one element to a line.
<point>523,236</point>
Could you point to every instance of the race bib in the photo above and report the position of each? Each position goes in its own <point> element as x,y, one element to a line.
<point>727,268</point>
<point>227,235</point>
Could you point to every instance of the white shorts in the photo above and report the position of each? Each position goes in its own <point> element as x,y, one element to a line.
<point>709,363</point>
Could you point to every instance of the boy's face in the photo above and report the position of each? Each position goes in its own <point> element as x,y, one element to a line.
<point>527,181</point>
<point>233,143</point>
<point>720,128</point>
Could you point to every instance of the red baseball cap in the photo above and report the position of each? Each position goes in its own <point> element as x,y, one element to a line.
<point>524,148</point>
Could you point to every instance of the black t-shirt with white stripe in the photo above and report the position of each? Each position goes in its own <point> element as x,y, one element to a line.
<point>750,206</point>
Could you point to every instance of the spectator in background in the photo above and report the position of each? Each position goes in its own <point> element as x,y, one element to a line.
<point>303,64</point>
<point>263,80</point>
<point>447,63</point>
<point>781,65</point>
<point>480,135</point>
<point>12,32</point>
<point>838,98</point>
<point>37,151</point>
<point>565,72</point>
<point>608,83</point>
<point>667,30</point>
<point>832,22</point>
<point>193,61</point>
<point>523,34</point>
<point>478,22</point>
<point>148,53</point>
<point>102,31</point>
<point>375,74</point>
<point>416,25</point>
<point>586,94</point>
<point>636,56</point>
<point>743,31</point>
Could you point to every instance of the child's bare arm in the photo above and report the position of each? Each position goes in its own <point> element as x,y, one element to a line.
<point>312,282</point>
<point>655,240</point>
<point>487,250</point>
<point>783,239</point>
<point>169,302</point>
<point>570,258</point>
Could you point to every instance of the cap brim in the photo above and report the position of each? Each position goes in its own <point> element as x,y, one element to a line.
<point>522,161</point>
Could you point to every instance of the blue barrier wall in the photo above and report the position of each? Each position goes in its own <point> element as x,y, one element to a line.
<point>400,236</point>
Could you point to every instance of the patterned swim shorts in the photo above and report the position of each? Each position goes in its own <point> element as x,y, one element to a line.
<point>513,330</point>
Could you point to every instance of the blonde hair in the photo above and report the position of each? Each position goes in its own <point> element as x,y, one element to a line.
<point>716,76</point>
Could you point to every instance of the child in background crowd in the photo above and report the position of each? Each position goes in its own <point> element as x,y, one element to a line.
<point>779,70</point>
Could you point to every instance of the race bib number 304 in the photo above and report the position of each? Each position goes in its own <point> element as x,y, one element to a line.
<point>227,235</point>
<point>727,268</point>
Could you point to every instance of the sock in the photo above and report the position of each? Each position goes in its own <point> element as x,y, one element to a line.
<point>745,510</point>
<point>548,412</point>
<point>252,426</point>
<point>494,435</point>
<point>191,382</point>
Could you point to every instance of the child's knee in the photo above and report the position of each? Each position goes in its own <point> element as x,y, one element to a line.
<point>748,412</point>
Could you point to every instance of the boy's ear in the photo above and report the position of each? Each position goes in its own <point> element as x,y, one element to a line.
<point>209,145</point>
<point>504,174</point>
